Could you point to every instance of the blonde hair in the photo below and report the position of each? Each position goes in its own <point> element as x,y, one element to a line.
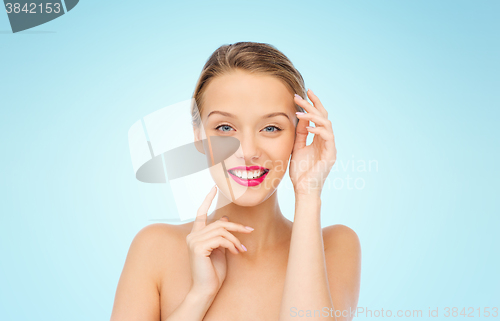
<point>253,57</point>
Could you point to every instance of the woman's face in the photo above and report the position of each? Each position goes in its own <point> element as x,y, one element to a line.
<point>259,111</point>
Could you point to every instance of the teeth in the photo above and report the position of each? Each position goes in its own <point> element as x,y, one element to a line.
<point>248,174</point>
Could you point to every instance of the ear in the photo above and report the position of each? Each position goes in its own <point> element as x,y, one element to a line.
<point>198,140</point>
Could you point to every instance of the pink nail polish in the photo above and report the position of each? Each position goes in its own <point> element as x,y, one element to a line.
<point>243,246</point>
<point>249,228</point>
<point>300,113</point>
<point>298,96</point>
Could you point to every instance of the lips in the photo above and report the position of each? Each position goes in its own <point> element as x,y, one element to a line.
<point>248,175</point>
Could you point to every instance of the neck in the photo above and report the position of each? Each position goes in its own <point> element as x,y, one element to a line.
<point>271,228</point>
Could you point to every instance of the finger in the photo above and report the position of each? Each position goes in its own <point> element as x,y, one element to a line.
<point>230,226</point>
<point>316,119</point>
<point>225,234</point>
<point>301,134</point>
<point>327,136</point>
<point>306,105</point>
<point>317,103</point>
<point>219,241</point>
<point>201,217</point>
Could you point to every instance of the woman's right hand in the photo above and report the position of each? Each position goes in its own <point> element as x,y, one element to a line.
<point>207,246</point>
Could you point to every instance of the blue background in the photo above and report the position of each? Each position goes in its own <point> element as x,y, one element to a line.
<point>412,85</point>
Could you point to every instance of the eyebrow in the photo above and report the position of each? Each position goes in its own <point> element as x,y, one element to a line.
<point>223,113</point>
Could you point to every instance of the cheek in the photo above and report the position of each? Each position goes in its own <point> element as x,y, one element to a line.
<point>217,174</point>
<point>279,152</point>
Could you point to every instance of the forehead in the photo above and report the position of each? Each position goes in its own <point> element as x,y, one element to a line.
<point>242,92</point>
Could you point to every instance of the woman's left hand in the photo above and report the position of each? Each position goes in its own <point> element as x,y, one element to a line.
<point>311,164</point>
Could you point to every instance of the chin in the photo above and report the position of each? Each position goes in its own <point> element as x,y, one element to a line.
<point>253,197</point>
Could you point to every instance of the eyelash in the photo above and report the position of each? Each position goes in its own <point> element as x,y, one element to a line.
<point>278,129</point>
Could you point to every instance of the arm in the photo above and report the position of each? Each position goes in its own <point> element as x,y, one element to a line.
<point>324,267</point>
<point>306,282</point>
<point>193,308</point>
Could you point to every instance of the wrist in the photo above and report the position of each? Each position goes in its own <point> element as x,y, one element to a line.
<point>194,306</point>
<point>199,296</point>
<point>308,197</point>
<point>307,207</point>
<point>200,301</point>
<point>307,191</point>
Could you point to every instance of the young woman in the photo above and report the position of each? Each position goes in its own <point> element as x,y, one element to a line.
<point>246,261</point>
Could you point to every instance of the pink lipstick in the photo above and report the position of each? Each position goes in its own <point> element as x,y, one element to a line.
<point>248,175</point>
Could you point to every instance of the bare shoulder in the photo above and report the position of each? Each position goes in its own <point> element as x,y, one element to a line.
<point>155,244</point>
<point>340,236</point>
<point>160,237</point>
<point>343,263</point>
<point>138,290</point>
<point>158,233</point>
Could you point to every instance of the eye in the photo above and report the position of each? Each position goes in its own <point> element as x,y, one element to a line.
<point>276,129</point>
<point>224,126</point>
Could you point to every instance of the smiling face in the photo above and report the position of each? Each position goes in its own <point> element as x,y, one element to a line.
<point>259,111</point>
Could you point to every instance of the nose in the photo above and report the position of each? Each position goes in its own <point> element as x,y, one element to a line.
<point>248,150</point>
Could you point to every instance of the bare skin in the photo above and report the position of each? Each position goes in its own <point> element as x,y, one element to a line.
<point>201,271</point>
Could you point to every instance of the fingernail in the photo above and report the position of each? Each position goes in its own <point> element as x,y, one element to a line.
<point>225,216</point>
<point>300,113</point>
<point>243,246</point>
<point>249,228</point>
<point>309,89</point>
<point>298,96</point>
